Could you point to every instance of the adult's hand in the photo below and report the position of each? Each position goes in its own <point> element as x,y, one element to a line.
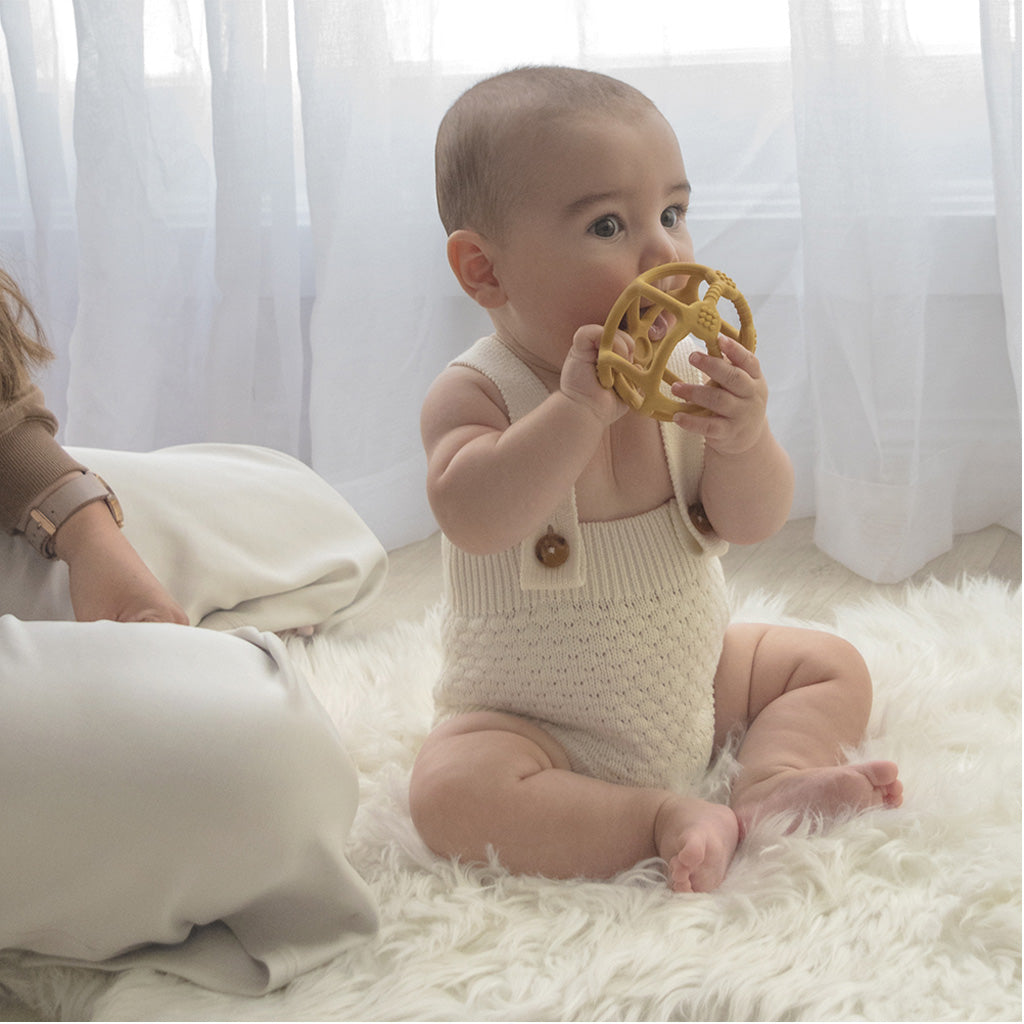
<point>108,578</point>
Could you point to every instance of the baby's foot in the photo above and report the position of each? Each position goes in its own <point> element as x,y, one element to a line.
<point>697,840</point>
<point>826,792</point>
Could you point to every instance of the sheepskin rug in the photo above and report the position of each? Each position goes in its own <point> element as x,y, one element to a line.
<point>905,915</point>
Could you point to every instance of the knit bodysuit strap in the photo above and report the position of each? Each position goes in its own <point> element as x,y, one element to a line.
<point>522,392</point>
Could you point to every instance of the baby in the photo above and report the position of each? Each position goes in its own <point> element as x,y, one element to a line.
<point>590,670</point>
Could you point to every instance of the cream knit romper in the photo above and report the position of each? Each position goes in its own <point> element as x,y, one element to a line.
<point>613,652</point>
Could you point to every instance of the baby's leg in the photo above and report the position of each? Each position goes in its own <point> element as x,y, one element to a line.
<point>489,779</point>
<point>803,695</point>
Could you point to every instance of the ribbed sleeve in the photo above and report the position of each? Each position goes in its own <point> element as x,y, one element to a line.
<point>31,460</point>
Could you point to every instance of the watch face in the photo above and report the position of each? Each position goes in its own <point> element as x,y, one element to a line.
<point>41,536</point>
<point>63,502</point>
<point>112,503</point>
<point>45,524</point>
<point>115,509</point>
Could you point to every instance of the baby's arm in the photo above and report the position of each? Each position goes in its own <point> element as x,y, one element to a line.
<point>747,485</point>
<point>490,483</point>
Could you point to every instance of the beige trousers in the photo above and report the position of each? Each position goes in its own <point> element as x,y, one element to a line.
<point>173,797</point>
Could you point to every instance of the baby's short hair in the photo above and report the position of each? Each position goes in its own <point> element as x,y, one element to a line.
<point>479,140</point>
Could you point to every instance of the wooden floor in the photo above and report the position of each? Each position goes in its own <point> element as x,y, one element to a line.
<point>788,564</point>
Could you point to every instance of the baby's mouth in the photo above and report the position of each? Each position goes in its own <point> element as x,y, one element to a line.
<point>658,328</point>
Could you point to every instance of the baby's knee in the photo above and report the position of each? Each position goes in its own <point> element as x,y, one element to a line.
<point>846,657</point>
<point>833,658</point>
<point>440,792</point>
<point>465,775</point>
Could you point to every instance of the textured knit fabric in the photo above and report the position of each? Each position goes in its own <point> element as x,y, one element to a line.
<point>613,653</point>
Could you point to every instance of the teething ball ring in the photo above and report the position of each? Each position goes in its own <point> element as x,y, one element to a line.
<point>639,382</point>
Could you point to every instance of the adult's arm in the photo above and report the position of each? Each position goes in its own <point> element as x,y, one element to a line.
<point>31,460</point>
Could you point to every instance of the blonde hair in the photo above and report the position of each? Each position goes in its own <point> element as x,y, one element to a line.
<point>477,157</point>
<point>22,342</point>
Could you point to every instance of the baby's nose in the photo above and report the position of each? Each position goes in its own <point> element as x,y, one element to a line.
<point>661,248</point>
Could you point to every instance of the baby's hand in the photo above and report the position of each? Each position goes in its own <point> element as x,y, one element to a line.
<point>737,405</point>
<point>579,373</point>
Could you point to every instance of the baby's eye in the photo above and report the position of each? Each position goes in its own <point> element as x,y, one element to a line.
<point>606,227</point>
<point>672,215</point>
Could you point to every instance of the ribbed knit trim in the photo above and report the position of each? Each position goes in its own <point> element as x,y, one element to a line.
<point>30,459</point>
<point>632,558</point>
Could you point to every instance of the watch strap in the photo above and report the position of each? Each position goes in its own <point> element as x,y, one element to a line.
<point>49,514</point>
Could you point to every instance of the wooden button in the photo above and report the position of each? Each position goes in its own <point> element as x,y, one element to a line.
<point>552,549</point>
<point>699,518</point>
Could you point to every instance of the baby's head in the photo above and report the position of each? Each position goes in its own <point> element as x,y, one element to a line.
<point>489,133</point>
<point>557,188</point>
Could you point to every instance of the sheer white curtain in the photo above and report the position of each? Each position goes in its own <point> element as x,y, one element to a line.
<point>907,342</point>
<point>225,213</point>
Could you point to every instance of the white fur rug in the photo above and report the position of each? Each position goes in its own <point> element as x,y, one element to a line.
<point>912,914</point>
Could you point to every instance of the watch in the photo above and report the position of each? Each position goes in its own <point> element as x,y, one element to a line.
<point>49,514</point>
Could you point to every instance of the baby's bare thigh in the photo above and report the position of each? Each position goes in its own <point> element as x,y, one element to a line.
<point>479,722</point>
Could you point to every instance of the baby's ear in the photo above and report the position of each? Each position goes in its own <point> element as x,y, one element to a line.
<point>468,256</point>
